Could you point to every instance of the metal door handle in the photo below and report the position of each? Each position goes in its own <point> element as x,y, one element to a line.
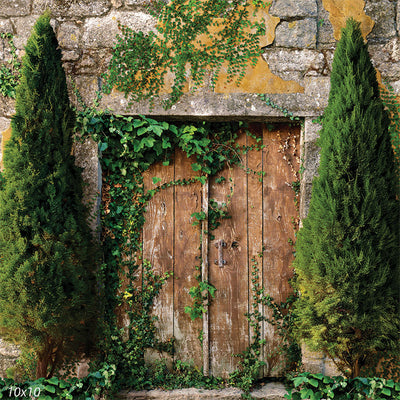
<point>220,244</point>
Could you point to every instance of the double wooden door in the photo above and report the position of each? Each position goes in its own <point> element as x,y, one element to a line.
<point>261,226</point>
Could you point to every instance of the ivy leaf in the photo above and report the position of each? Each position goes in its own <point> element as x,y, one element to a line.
<point>155,180</point>
<point>128,127</point>
<point>50,389</point>
<point>313,382</point>
<point>158,130</point>
<point>299,380</point>
<point>166,143</point>
<point>196,167</point>
<point>102,146</point>
<point>148,141</point>
<point>202,179</point>
<point>139,122</point>
<point>141,131</point>
<point>173,129</point>
<point>165,163</point>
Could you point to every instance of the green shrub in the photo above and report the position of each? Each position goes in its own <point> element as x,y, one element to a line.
<point>347,252</point>
<point>318,386</point>
<point>87,388</point>
<point>47,255</point>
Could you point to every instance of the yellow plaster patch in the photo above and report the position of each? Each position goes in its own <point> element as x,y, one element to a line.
<point>258,79</point>
<point>73,37</point>
<point>5,135</point>
<point>341,10</point>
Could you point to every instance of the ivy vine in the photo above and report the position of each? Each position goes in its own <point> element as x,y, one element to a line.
<point>202,36</point>
<point>10,70</point>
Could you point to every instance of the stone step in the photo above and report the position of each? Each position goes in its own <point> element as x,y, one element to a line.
<point>270,391</point>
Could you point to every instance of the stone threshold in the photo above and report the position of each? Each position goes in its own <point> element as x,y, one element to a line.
<point>270,391</point>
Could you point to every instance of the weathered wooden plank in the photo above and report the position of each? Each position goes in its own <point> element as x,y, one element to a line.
<point>205,278</point>
<point>158,245</point>
<point>228,324</point>
<point>255,225</point>
<point>188,200</point>
<point>278,210</point>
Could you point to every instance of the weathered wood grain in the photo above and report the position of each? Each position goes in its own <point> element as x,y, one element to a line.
<point>158,245</point>
<point>228,325</point>
<point>255,217</point>
<point>278,210</point>
<point>188,200</point>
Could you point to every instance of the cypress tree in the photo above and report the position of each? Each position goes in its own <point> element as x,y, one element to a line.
<point>347,252</point>
<point>47,255</point>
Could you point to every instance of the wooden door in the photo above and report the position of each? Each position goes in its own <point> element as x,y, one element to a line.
<point>261,226</point>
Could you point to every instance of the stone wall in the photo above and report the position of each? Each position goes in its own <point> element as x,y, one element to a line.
<point>294,69</point>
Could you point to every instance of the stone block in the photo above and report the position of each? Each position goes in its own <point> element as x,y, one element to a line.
<point>68,8</point>
<point>15,8</point>
<point>305,198</point>
<point>23,27</point>
<point>86,157</point>
<point>298,34</point>
<point>318,89</point>
<point>270,391</point>
<point>311,130</point>
<point>92,62</point>
<point>5,26</point>
<point>9,353</point>
<point>292,9</point>
<point>386,58</point>
<point>325,37</point>
<point>291,64</point>
<point>310,158</point>
<point>4,123</point>
<point>68,35</point>
<point>117,3</point>
<point>101,32</point>
<point>398,18</point>
<point>9,349</point>
<point>7,107</point>
<point>70,55</point>
<point>383,13</point>
<point>396,86</point>
<point>87,86</point>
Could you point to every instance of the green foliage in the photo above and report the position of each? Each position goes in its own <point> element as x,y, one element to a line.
<point>125,347</point>
<point>318,386</point>
<point>10,71</point>
<point>200,295</point>
<point>181,375</point>
<point>347,252</point>
<point>47,292</point>
<point>87,388</point>
<point>202,36</point>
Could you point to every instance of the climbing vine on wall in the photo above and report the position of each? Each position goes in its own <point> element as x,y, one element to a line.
<point>192,38</point>
<point>10,70</point>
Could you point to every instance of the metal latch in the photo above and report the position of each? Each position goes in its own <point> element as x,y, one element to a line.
<point>220,244</point>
